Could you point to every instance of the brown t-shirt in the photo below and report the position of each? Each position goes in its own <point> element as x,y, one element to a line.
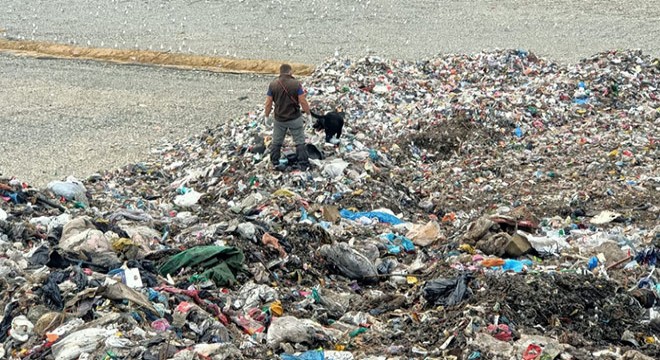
<point>287,106</point>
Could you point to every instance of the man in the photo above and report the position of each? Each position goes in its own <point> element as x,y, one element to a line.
<point>288,95</point>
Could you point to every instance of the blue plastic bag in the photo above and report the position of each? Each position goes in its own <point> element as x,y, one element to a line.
<point>307,355</point>
<point>516,265</point>
<point>381,216</point>
<point>398,242</point>
<point>305,217</point>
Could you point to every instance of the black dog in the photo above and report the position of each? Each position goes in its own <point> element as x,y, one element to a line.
<point>332,123</point>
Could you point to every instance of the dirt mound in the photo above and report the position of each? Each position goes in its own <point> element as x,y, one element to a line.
<point>581,310</point>
<point>453,136</point>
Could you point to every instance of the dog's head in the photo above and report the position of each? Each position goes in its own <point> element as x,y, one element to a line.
<point>319,124</point>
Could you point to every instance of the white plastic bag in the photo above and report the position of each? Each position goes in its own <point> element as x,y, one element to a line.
<point>83,341</point>
<point>71,189</point>
<point>335,168</point>
<point>188,199</point>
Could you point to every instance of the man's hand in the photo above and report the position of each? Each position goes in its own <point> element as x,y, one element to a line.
<point>307,121</point>
<point>267,119</point>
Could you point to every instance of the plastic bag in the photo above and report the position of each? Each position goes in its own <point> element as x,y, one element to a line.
<point>319,355</point>
<point>71,189</point>
<point>7,318</point>
<point>424,235</point>
<point>381,216</point>
<point>51,293</point>
<point>605,217</point>
<point>516,265</point>
<point>335,168</point>
<point>307,355</point>
<point>349,262</point>
<point>40,256</point>
<point>397,243</point>
<point>217,263</point>
<point>188,199</point>
<point>294,330</point>
<point>83,341</point>
<point>446,292</point>
<point>387,265</point>
<point>500,332</point>
<point>246,230</point>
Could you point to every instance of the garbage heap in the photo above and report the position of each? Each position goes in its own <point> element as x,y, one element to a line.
<point>494,205</point>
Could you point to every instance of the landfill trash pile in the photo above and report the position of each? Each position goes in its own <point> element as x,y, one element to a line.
<point>494,205</point>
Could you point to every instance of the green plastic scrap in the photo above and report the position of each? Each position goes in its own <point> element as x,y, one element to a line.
<point>316,296</point>
<point>358,331</point>
<point>217,263</point>
<point>197,279</point>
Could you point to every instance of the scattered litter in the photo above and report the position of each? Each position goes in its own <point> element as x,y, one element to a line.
<point>460,216</point>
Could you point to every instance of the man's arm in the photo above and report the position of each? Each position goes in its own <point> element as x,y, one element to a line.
<point>302,100</point>
<point>268,106</point>
<point>303,103</point>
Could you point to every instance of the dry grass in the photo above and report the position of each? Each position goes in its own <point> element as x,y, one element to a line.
<point>147,57</point>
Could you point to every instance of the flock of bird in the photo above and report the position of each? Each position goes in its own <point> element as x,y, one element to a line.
<point>168,30</point>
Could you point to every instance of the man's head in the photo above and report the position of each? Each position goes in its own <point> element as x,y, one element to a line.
<point>285,69</point>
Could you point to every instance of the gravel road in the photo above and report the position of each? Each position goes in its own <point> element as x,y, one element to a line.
<point>74,117</point>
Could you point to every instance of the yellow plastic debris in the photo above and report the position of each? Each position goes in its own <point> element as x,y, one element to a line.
<point>122,244</point>
<point>285,193</point>
<point>276,308</point>
<point>467,248</point>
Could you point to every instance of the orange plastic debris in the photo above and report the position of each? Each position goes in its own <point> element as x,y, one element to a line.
<point>492,262</point>
<point>270,240</point>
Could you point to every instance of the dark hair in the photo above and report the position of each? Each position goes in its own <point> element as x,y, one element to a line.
<point>285,69</point>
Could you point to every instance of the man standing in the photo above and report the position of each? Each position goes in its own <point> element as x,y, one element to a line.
<point>288,95</point>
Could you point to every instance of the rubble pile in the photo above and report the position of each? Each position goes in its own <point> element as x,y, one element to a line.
<point>494,205</point>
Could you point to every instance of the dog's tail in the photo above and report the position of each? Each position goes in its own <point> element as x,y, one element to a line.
<point>315,115</point>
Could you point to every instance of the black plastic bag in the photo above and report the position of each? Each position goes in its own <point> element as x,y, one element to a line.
<point>40,257</point>
<point>51,293</point>
<point>147,270</point>
<point>79,278</point>
<point>7,318</point>
<point>447,292</point>
<point>349,262</point>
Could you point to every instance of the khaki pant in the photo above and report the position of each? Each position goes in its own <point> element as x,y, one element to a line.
<point>297,129</point>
